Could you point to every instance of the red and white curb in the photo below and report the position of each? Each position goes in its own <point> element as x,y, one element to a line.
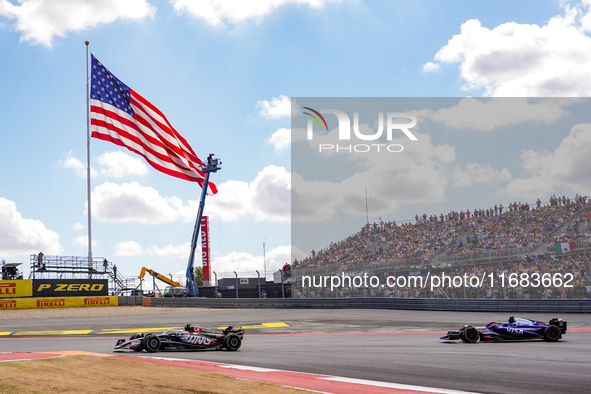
<point>300,380</point>
<point>25,356</point>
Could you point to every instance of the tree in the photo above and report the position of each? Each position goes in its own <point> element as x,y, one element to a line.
<point>199,276</point>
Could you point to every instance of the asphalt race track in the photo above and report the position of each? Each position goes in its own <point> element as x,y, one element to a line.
<point>380,345</point>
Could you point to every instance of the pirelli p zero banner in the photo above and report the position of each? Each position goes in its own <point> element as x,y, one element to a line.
<point>70,287</point>
<point>16,288</point>
<point>57,302</point>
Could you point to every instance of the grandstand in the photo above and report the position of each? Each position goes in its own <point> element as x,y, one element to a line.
<point>552,238</point>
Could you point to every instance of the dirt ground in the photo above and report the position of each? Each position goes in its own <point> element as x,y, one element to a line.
<point>90,374</point>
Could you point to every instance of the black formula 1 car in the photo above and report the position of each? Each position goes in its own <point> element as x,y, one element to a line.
<point>514,329</point>
<point>191,338</point>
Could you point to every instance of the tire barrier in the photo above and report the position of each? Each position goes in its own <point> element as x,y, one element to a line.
<point>56,302</point>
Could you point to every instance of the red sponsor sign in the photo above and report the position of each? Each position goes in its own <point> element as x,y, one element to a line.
<point>97,301</point>
<point>51,302</point>
<point>7,288</point>
<point>16,288</point>
<point>205,254</point>
<point>7,303</point>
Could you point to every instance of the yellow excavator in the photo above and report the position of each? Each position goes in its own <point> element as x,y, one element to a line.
<point>174,288</point>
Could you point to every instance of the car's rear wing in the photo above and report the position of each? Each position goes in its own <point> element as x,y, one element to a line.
<point>558,323</point>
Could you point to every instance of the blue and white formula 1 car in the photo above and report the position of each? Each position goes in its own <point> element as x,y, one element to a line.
<point>514,329</point>
<point>191,338</point>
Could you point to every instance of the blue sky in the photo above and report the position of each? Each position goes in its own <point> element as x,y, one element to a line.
<point>223,73</point>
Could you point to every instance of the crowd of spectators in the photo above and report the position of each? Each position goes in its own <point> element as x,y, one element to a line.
<point>498,228</point>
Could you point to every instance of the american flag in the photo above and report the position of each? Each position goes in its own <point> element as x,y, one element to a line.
<point>120,115</point>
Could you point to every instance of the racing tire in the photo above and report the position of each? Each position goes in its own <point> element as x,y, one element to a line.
<point>232,342</point>
<point>471,335</point>
<point>151,343</point>
<point>552,334</point>
<point>462,337</point>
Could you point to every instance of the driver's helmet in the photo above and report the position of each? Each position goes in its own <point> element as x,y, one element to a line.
<point>511,320</point>
<point>190,328</point>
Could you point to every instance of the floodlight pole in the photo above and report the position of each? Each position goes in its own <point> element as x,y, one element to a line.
<point>213,165</point>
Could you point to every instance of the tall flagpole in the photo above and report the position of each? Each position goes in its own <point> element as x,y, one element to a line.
<point>88,161</point>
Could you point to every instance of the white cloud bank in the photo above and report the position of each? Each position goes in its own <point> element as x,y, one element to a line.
<point>132,202</point>
<point>223,12</point>
<point>266,198</point>
<point>40,21</point>
<point>128,248</point>
<point>246,263</point>
<point>281,139</point>
<point>519,60</point>
<point>419,175</point>
<point>20,236</point>
<point>567,165</point>
<point>275,108</point>
<point>114,164</point>
<point>82,240</point>
<point>477,173</point>
<point>486,114</point>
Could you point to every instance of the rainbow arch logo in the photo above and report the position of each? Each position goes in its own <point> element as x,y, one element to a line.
<point>315,118</point>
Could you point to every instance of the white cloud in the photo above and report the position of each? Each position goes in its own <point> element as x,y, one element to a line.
<point>266,198</point>
<point>132,202</point>
<point>231,203</point>
<point>281,139</point>
<point>246,264</point>
<point>477,173</point>
<point>118,164</point>
<point>78,226</point>
<point>115,164</point>
<point>20,236</point>
<point>489,114</point>
<point>180,251</point>
<point>40,21</point>
<point>314,201</point>
<point>417,175</point>
<point>221,12</point>
<point>181,277</point>
<point>275,108</point>
<point>512,59</point>
<point>82,240</point>
<point>297,253</point>
<point>566,166</point>
<point>72,163</point>
<point>430,67</point>
<point>271,194</point>
<point>128,248</point>
<point>133,248</point>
